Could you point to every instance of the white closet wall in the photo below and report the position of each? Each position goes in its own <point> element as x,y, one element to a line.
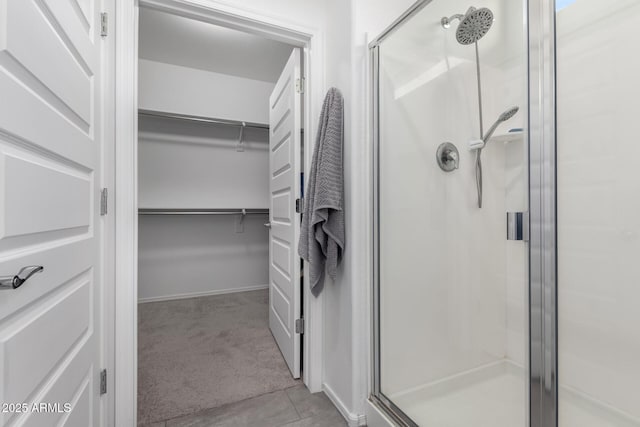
<point>182,256</point>
<point>183,90</point>
<point>190,165</point>
<point>194,165</point>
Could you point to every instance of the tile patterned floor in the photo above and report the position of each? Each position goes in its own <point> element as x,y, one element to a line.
<point>292,407</point>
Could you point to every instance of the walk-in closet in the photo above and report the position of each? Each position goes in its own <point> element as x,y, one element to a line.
<point>207,181</point>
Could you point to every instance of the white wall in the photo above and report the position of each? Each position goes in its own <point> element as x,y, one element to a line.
<point>308,13</point>
<point>182,256</point>
<point>339,371</point>
<point>514,89</point>
<point>599,206</point>
<point>179,40</point>
<point>196,166</point>
<point>517,253</point>
<point>442,259</point>
<point>176,89</point>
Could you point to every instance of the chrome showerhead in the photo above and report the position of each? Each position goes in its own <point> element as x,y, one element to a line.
<point>502,118</point>
<point>473,25</point>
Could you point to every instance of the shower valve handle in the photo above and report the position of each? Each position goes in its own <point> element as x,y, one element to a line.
<point>447,157</point>
<point>453,157</point>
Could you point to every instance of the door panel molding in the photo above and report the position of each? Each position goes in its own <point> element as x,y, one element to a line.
<point>284,188</point>
<point>25,335</point>
<point>52,143</point>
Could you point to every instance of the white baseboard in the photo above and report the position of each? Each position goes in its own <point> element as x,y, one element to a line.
<point>354,420</point>
<point>202,294</point>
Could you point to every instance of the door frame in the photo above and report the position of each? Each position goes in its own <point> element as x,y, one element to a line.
<point>311,40</point>
<point>543,253</point>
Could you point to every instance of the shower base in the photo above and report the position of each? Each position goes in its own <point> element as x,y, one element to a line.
<point>495,395</point>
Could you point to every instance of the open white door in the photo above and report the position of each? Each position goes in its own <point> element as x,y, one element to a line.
<point>50,158</point>
<point>284,185</point>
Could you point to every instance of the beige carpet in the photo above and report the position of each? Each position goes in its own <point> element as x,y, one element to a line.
<point>205,352</point>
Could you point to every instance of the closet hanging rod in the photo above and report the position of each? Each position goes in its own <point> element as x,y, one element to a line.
<point>202,211</point>
<point>202,119</point>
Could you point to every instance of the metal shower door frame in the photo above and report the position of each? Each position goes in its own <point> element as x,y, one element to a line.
<point>543,335</point>
<point>543,310</point>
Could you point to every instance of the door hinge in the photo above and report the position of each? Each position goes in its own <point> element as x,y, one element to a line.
<point>103,382</point>
<point>104,24</point>
<point>104,200</point>
<point>299,205</point>
<point>300,325</point>
<point>300,85</point>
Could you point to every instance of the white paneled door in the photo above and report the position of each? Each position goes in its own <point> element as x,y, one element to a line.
<point>284,187</point>
<point>50,157</point>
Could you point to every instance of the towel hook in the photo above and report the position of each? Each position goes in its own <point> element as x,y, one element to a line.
<point>240,146</point>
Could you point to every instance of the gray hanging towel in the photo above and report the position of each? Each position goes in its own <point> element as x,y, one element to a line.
<point>322,231</point>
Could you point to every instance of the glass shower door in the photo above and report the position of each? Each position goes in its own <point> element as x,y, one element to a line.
<point>451,286</point>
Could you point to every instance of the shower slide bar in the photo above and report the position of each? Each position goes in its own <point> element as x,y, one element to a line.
<point>203,211</point>
<point>202,119</point>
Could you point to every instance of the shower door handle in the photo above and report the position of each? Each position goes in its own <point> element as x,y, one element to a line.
<point>518,226</point>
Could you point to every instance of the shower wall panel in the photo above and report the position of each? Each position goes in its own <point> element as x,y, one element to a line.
<point>452,294</point>
<point>598,211</point>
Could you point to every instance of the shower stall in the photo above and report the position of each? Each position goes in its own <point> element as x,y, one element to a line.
<point>506,202</point>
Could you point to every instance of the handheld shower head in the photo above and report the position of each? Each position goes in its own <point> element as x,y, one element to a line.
<point>502,118</point>
<point>508,114</point>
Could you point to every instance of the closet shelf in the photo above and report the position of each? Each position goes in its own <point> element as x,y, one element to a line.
<point>202,211</point>
<point>201,119</point>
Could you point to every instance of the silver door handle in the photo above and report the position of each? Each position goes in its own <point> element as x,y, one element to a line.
<point>267,224</point>
<point>14,282</point>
